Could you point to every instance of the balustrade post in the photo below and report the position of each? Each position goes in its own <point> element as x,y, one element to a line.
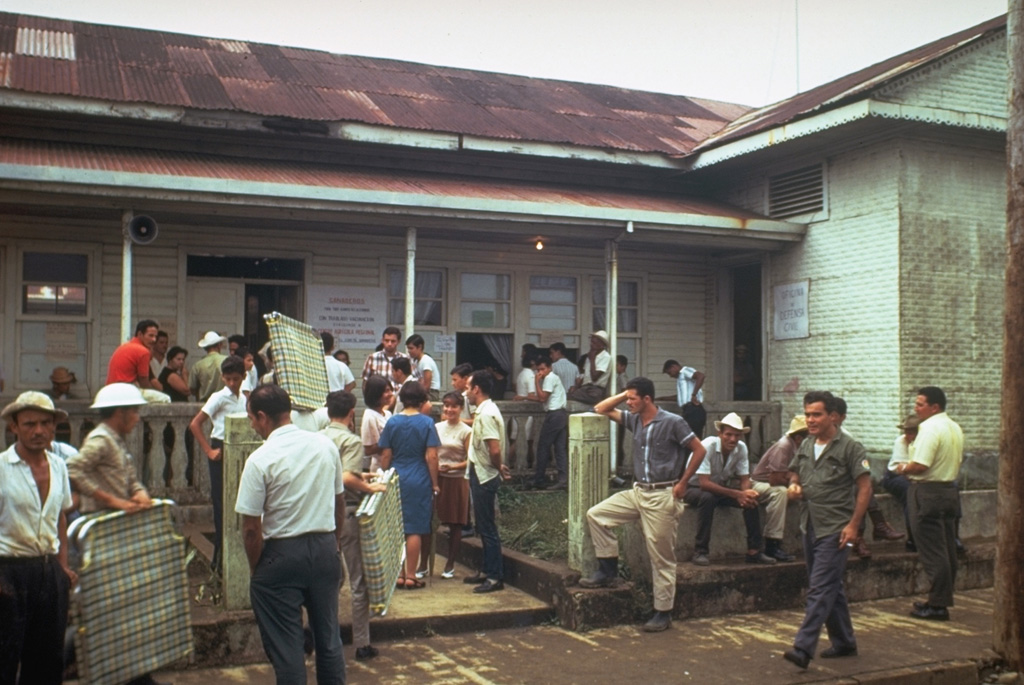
<point>589,459</point>
<point>240,440</point>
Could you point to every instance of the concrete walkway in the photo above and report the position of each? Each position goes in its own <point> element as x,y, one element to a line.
<point>746,648</point>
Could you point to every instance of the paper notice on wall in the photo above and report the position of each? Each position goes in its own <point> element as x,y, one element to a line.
<point>354,316</point>
<point>61,341</point>
<point>791,318</point>
<point>444,343</point>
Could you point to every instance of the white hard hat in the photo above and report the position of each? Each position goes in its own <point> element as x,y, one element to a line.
<point>118,395</point>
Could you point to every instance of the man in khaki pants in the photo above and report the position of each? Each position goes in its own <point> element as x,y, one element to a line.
<point>661,444</point>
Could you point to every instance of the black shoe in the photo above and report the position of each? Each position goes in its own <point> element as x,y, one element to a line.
<point>835,652</point>
<point>660,621</point>
<point>920,605</point>
<point>798,657</point>
<point>474,579</point>
<point>468,532</point>
<point>780,554</point>
<point>759,558</point>
<point>366,652</point>
<point>607,574</point>
<point>489,586</point>
<point>930,613</point>
<point>911,547</point>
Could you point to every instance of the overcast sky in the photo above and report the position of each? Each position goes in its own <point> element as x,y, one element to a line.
<point>732,50</point>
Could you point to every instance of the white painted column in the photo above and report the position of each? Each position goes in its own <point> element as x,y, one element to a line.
<point>410,285</point>
<point>612,320</point>
<point>126,278</point>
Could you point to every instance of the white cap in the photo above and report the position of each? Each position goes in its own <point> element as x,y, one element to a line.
<point>118,395</point>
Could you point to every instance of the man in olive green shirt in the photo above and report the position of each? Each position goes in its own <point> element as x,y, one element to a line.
<point>205,375</point>
<point>823,475</point>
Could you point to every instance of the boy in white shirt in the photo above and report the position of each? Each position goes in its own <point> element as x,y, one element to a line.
<point>227,400</point>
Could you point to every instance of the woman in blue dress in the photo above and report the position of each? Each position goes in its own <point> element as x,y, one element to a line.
<point>409,442</point>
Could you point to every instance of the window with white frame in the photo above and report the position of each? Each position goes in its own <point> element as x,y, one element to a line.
<point>429,297</point>
<point>553,303</point>
<point>628,325</point>
<point>53,315</point>
<point>485,300</point>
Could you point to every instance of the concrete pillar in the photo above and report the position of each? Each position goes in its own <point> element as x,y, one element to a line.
<point>240,440</point>
<point>589,459</point>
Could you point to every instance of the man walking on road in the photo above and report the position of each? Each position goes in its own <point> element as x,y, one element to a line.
<point>934,464</point>
<point>291,498</point>
<point>661,443</point>
<point>823,474</point>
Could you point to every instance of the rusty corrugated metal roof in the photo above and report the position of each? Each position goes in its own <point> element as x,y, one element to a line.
<point>91,158</point>
<point>843,90</point>
<point>118,64</point>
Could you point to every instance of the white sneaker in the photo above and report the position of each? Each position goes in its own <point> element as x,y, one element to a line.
<point>448,575</point>
<point>420,575</point>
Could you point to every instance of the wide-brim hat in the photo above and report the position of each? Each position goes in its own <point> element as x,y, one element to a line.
<point>910,423</point>
<point>797,425</point>
<point>62,375</point>
<point>732,420</point>
<point>118,395</point>
<point>601,335</point>
<point>34,400</point>
<point>212,338</point>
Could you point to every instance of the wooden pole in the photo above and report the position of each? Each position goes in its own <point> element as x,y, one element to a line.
<point>1008,622</point>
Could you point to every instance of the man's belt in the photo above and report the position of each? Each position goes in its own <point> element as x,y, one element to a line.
<point>655,486</point>
<point>24,561</point>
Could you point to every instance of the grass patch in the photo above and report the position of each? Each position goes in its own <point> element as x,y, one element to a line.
<point>535,523</point>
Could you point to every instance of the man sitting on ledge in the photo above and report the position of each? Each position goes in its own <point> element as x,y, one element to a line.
<point>715,485</point>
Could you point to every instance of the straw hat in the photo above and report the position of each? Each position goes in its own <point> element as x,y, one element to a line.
<point>212,338</point>
<point>732,420</point>
<point>797,425</point>
<point>600,335</point>
<point>34,400</point>
<point>62,375</point>
<point>910,423</point>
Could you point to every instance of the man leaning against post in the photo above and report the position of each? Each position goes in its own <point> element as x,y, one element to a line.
<point>823,475</point>
<point>34,575</point>
<point>661,444</point>
<point>291,498</point>
<point>934,464</point>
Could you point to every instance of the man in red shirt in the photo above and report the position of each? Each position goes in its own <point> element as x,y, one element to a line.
<point>130,361</point>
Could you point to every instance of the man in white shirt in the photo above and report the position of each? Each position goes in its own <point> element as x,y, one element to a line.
<point>339,376</point>
<point>424,368</point>
<point>554,432</point>
<point>291,498</point>
<point>566,370</point>
<point>596,373</point>
<point>33,545</point>
<point>689,395</point>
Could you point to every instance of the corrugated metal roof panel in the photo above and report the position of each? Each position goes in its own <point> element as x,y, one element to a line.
<point>187,61</point>
<point>101,80</point>
<point>170,163</point>
<point>44,75</point>
<point>238,65</point>
<point>206,91</point>
<point>5,69</point>
<point>352,105</point>
<point>40,43</point>
<point>93,48</point>
<point>158,86</point>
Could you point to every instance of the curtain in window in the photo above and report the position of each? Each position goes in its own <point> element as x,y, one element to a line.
<point>428,291</point>
<point>500,347</point>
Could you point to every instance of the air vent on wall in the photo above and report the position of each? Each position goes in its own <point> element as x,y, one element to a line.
<point>797,192</point>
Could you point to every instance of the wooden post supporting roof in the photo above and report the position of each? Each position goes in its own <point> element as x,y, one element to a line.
<point>1008,622</point>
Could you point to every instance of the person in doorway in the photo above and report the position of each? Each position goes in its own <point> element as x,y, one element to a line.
<point>205,375</point>
<point>689,395</point>
<point>666,455</point>
<point>235,343</point>
<point>61,381</point>
<point>35,579</point>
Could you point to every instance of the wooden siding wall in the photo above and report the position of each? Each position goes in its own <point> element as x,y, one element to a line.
<point>674,299</point>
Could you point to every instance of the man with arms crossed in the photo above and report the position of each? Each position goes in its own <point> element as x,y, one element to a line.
<point>292,502</point>
<point>823,474</point>
<point>661,443</point>
<point>934,465</point>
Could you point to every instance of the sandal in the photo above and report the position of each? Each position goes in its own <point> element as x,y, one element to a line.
<point>414,584</point>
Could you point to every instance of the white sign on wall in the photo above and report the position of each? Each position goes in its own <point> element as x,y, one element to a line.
<point>444,343</point>
<point>354,316</point>
<point>791,318</point>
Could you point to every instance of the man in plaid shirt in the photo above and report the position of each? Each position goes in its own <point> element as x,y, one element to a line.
<point>379,362</point>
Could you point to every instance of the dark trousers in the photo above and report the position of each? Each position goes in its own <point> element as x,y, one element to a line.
<point>33,616</point>
<point>292,573</point>
<point>705,502</point>
<point>554,433</point>
<point>484,496</point>
<point>933,512</point>
<point>695,417</point>
<point>898,485</point>
<point>217,496</point>
<point>826,599</point>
